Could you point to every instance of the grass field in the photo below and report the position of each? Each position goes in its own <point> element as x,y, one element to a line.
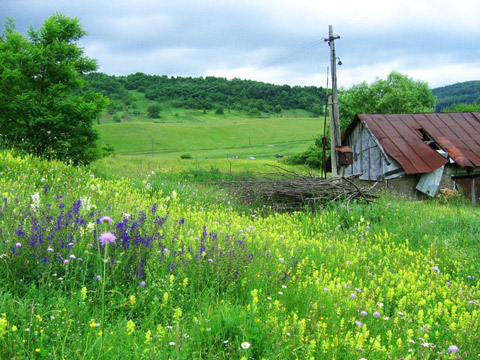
<point>97,265</point>
<point>170,114</point>
<point>213,138</point>
<point>203,134</point>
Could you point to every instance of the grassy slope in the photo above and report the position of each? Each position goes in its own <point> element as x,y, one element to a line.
<point>205,134</point>
<point>219,137</point>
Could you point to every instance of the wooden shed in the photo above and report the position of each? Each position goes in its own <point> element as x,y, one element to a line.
<point>428,151</point>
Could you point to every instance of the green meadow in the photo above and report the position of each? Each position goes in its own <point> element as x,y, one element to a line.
<point>122,260</point>
<point>217,137</point>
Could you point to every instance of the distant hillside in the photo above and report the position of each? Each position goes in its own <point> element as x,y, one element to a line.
<point>461,93</point>
<point>132,95</point>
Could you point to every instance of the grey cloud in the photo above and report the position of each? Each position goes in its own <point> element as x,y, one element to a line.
<point>195,37</point>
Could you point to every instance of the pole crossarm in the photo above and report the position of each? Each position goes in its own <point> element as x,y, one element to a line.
<point>331,38</point>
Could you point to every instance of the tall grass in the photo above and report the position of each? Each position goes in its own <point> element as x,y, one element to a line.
<point>197,279</point>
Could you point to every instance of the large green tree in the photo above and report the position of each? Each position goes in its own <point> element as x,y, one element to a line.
<point>397,94</point>
<point>43,109</point>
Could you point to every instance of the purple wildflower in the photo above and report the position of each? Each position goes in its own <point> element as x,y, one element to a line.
<point>363,313</point>
<point>353,296</point>
<point>98,277</point>
<point>106,219</point>
<point>17,245</point>
<point>358,323</point>
<point>143,284</point>
<point>49,249</point>
<point>436,269</point>
<point>106,238</point>
<point>376,314</point>
<point>453,349</point>
<point>66,261</point>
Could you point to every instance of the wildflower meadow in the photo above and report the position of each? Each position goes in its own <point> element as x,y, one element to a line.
<point>103,267</point>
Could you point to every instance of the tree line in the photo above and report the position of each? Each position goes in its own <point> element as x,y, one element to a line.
<point>467,92</point>
<point>207,93</point>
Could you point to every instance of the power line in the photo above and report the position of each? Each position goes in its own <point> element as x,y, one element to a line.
<point>276,61</point>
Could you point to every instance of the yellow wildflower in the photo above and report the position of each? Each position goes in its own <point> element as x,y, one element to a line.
<point>130,327</point>
<point>83,292</point>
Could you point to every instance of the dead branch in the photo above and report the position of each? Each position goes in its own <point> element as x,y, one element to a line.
<point>295,192</point>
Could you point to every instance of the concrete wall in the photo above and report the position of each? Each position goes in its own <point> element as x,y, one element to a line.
<point>405,186</point>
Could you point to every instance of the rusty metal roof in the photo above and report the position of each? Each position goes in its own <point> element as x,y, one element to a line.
<point>403,136</point>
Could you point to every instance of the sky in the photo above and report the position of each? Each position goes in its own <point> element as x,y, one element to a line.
<point>275,41</point>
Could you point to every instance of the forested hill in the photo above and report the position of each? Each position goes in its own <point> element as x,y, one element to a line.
<point>461,93</point>
<point>207,93</point>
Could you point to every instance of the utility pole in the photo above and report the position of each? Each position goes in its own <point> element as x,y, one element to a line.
<point>335,136</point>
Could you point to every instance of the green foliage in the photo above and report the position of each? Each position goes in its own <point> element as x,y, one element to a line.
<point>107,149</point>
<point>207,93</point>
<point>185,156</point>
<point>219,111</point>
<point>461,107</point>
<point>317,110</point>
<point>398,94</point>
<point>43,110</point>
<point>154,111</point>
<point>313,156</point>
<point>461,93</point>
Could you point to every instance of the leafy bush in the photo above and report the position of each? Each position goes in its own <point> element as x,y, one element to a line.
<point>44,110</point>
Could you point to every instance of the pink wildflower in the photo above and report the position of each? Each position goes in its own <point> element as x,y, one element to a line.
<point>106,238</point>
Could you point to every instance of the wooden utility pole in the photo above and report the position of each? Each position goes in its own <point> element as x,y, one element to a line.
<point>335,136</point>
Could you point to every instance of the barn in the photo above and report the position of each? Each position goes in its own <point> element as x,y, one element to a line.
<point>414,153</point>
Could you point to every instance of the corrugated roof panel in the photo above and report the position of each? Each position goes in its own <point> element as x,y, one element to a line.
<point>462,131</point>
<point>401,137</point>
<point>403,143</point>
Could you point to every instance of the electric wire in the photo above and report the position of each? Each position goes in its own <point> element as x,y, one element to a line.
<point>273,62</point>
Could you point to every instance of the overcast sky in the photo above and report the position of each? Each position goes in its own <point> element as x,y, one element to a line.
<point>276,41</point>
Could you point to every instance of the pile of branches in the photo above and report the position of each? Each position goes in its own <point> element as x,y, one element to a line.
<point>295,192</point>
